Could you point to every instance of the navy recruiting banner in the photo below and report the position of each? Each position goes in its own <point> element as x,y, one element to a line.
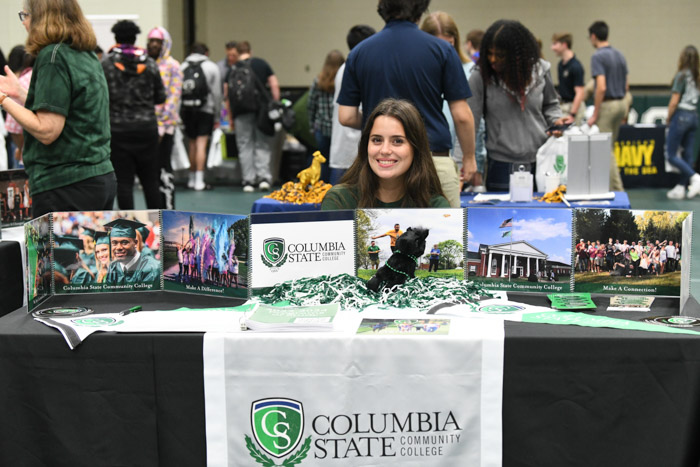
<point>340,399</point>
<point>639,151</point>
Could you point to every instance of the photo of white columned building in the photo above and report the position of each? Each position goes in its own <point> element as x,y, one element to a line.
<point>520,258</point>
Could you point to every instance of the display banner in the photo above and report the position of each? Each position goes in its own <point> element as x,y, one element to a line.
<point>205,253</point>
<point>521,249</point>
<point>507,249</point>
<point>639,151</point>
<point>632,252</point>
<point>37,234</point>
<point>348,400</point>
<point>289,246</point>
<point>107,251</point>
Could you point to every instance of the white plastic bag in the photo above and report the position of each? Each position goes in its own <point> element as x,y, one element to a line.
<point>179,158</point>
<point>215,157</point>
<point>552,160</point>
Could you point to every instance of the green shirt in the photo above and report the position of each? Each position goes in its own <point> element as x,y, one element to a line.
<point>373,252</point>
<point>345,197</point>
<point>70,83</point>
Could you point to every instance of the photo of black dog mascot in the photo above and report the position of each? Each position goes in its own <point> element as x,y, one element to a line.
<point>401,265</point>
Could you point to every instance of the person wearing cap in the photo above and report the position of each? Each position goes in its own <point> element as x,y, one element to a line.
<point>159,45</point>
<point>135,87</point>
<point>128,265</point>
<point>65,111</point>
<point>68,267</point>
<point>142,237</point>
<point>102,255</point>
<point>87,253</point>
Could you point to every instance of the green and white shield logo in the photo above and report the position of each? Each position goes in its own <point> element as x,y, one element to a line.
<point>273,252</point>
<point>277,425</point>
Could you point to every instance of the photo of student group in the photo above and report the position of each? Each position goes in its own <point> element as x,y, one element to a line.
<point>628,246</point>
<point>628,259</point>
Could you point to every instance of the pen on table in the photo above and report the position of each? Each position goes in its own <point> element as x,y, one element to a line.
<point>563,198</point>
<point>133,309</point>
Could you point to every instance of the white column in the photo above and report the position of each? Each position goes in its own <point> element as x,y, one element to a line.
<point>503,264</point>
<point>488,265</point>
<point>528,266</point>
<point>514,264</point>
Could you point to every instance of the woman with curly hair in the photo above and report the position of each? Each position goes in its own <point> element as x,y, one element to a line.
<point>512,90</point>
<point>682,123</point>
<point>394,166</point>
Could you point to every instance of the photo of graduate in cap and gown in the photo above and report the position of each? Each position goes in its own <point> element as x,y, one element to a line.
<point>69,268</point>
<point>129,265</point>
<point>103,256</point>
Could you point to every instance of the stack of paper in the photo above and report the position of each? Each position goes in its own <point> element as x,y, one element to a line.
<point>293,318</point>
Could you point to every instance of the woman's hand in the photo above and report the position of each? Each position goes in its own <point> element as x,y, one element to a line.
<point>9,85</point>
<point>558,123</point>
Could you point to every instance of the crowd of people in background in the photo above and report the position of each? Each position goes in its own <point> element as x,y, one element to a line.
<point>627,259</point>
<point>488,103</point>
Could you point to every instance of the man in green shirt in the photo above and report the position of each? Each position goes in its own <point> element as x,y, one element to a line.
<point>373,252</point>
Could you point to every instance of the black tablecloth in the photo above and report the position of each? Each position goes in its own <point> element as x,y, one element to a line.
<point>11,277</point>
<point>572,396</point>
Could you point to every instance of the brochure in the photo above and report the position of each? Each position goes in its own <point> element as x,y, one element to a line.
<point>630,303</point>
<point>292,318</point>
<point>571,301</point>
<point>405,327</point>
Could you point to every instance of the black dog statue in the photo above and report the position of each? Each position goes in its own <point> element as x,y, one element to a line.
<point>402,263</point>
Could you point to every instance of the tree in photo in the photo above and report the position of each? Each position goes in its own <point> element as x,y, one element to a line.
<point>620,224</point>
<point>451,254</point>
<point>365,226</point>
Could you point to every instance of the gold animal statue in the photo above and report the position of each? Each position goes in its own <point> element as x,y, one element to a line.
<point>311,174</point>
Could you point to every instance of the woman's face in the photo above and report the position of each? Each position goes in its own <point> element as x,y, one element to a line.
<point>102,253</point>
<point>25,18</point>
<point>390,154</point>
<point>497,59</point>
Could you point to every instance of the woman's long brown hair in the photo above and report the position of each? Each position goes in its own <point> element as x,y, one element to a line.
<point>55,21</point>
<point>421,179</point>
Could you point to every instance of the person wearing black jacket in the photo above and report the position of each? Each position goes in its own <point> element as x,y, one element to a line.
<point>135,87</point>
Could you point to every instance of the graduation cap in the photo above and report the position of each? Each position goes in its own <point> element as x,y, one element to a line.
<point>69,240</point>
<point>145,232</point>
<point>124,228</point>
<point>101,238</point>
<point>88,232</point>
<point>66,253</point>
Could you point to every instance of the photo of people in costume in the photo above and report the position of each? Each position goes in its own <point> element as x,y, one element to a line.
<point>379,230</point>
<point>38,238</point>
<point>527,249</point>
<point>635,252</point>
<point>205,253</point>
<point>15,201</point>
<point>106,251</point>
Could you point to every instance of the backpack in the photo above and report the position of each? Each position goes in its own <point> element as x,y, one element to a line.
<point>194,86</point>
<point>243,89</point>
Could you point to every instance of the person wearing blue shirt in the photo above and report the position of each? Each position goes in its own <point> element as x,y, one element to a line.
<point>434,258</point>
<point>403,62</point>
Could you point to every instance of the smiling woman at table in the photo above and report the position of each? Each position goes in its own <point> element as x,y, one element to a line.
<point>66,119</point>
<point>393,168</point>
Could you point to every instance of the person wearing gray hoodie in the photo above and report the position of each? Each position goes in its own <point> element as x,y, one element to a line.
<point>519,101</point>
